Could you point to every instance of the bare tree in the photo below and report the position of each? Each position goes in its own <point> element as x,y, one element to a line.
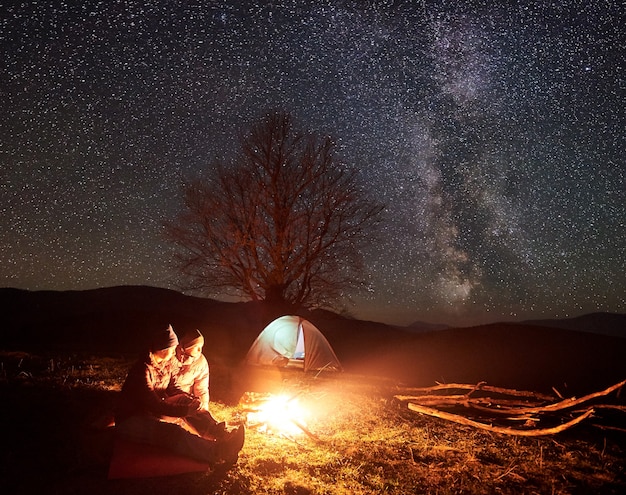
<point>283,223</point>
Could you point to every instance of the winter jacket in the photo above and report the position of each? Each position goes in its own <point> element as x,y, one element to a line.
<point>193,378</point>
<point>145,390</point>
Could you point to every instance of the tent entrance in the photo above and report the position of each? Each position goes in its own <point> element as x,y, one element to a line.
<point>299,352</point>
<point>297,358</point>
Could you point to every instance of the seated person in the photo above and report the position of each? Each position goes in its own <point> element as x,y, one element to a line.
<point>145,403</point>
<point>192,378</point>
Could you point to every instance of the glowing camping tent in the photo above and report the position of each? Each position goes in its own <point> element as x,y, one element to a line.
<point>290,340</point>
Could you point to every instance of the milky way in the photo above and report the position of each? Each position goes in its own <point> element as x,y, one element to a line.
<point>494,135</point>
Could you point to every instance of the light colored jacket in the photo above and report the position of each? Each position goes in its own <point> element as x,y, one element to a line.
<point>193,378</point>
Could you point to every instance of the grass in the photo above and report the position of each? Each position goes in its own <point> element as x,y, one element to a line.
<point>365,441</point>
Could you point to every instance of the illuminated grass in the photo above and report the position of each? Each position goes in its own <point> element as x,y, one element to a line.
<point>367,443</point>
<point>371,444</point>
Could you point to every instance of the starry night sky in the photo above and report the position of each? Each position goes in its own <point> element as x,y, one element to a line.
<point>495,135</point>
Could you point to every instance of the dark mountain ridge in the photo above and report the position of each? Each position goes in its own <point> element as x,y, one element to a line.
<point>602,323</point>
<point>119,319</point>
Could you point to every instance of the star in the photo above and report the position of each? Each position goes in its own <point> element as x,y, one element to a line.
<point>494,135</point>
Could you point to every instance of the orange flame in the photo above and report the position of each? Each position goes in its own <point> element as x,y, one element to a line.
<point>280,414</point>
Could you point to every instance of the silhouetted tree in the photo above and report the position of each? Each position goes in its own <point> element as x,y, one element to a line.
<point>283,223</point>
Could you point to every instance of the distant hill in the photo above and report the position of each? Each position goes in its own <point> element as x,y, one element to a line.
<point>601,323</point>
<point>505,354</point>
<point>422,326</point>
<point>515,355</point>
<point>119,319</point>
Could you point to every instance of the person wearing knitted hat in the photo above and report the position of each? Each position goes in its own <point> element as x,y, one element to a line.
<point>192,378</point>
<point>146,407</point>
<point>193,375</point>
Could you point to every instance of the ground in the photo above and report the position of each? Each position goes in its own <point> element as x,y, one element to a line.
<point>361,440</point>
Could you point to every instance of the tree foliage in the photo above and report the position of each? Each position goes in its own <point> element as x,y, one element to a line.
<point>283,223</point>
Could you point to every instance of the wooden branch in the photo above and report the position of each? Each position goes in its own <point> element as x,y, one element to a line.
<point>609,428</point>
<point>486,403</point>
<point>503,406</point>
<point>487,388</point>
<point>506,411</point>
<point>498,429</point>
<point>305,430</point>
<point>611,406</point>
<point>515,410</point>
<point>443,399</point>
<point>568,403</point>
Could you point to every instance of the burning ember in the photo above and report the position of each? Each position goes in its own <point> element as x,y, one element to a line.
<point>278,414</point>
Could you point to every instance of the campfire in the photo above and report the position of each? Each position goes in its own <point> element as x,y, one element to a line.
<point>280,414</point>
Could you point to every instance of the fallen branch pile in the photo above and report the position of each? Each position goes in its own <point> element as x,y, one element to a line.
<point>488,405</point>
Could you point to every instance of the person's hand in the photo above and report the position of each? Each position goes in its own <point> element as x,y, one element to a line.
<point>193,407</point>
